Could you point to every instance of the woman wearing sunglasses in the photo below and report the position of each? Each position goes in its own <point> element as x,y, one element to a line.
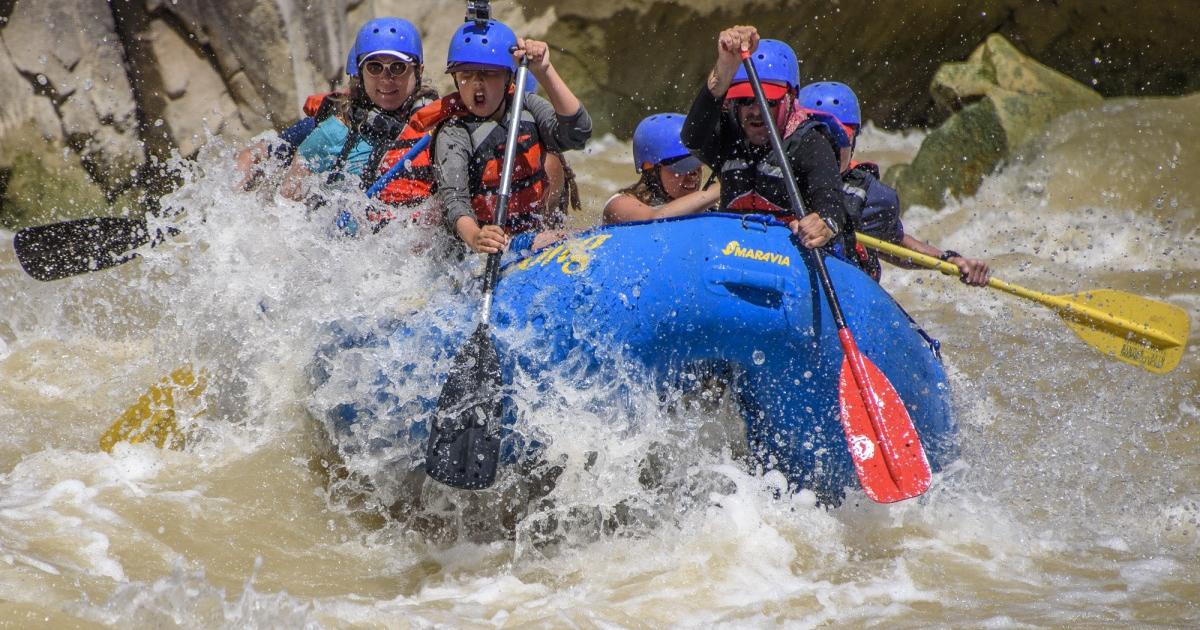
<point>670,176</point>
<point>726,130</point>
<point>385,66</point>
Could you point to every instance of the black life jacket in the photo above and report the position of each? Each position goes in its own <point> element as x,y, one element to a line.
<point>874,209</point>
<point>752,182</point>
<point>752,179</point>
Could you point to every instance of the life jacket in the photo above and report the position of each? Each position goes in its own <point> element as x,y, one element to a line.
<point>529,181</point>
<point>874,208</point>
<point>418,181</point>
<point>756,186</point>
<point>488,139</point>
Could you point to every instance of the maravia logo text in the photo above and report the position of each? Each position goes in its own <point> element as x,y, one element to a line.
<point>735,249</point>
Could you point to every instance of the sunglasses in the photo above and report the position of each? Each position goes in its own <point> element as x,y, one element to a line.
<point>466,76</point>
<point>395,68</point>
<point>735,103</point>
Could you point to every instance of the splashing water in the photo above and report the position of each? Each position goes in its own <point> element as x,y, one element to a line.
<point>1077,500</point>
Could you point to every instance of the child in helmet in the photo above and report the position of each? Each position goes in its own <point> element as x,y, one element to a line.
<point>356,128</point>
<point>470,131</point>
<point>873,205</point>
<point>726,130</point>
<point>670,176</point>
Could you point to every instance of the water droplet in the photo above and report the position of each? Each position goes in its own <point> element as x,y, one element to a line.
<point>759,357</point>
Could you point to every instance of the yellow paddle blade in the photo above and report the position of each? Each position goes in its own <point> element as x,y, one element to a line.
<point>152,417</point>
<point>1139,331</point>
<point>1149,334</point>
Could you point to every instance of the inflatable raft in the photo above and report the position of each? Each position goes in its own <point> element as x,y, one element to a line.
<point>720,294</point>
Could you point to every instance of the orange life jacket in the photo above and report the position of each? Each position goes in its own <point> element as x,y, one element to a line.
<point>529,181</point>
<point>322,106</point>
<point>416,183</point>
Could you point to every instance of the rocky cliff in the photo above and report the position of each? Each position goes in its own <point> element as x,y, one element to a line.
<point>98,93</point>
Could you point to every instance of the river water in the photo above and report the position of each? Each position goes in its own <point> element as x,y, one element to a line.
<point>1076,502</point>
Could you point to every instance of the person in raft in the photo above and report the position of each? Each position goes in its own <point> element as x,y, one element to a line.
<point>874,205</point>
<point>669,185</point>
<point>472,127</point>
<point>726,130</point>
<point>415,185</point>
<point>358,127</point>
<point>319,107</point>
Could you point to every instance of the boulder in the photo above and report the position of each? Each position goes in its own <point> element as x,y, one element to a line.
<point>1001,100</point>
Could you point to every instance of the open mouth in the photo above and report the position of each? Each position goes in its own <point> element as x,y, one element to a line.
<point>479,98</point>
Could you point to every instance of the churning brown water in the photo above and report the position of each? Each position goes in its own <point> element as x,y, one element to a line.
<point>1076,502</point>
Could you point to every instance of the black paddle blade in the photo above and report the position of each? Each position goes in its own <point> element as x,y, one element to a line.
<point>59,250</point>
<point>464,440</point>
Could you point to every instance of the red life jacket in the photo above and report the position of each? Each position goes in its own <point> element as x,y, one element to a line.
<point>529,179</point>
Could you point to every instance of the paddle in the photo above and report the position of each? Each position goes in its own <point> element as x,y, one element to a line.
<point>61,250</point>
<point>464,436</point>
<point>1139,331</point>
<point>152,417</point>
<point>884,444</point>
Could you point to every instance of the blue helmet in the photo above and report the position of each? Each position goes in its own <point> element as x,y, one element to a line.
<point>833,98</point>
<point>656,140</point>
<point>775,62</point>
<point>489,45</point>
<point>385,35</point>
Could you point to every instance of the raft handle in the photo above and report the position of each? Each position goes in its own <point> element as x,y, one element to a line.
<point>756,287</point>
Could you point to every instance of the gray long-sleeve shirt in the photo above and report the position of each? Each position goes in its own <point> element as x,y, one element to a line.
<point>453,148</point>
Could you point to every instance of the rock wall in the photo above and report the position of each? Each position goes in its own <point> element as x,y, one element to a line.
<point>98,93</point>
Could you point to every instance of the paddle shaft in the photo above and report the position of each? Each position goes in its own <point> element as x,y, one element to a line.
<point>1061,305</point>
<point>492,270</point>
<point>853,357</point>
<point>790,182</point>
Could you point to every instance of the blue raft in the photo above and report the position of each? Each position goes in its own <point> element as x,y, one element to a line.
<point>713,293</point>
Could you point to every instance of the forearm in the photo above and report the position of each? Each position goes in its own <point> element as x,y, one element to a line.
<point>467,228</point>
<point>295,182</point>
<point>452,151</point>
<point>692,203</point>
<point>914,244</point>
<point>561,97</point>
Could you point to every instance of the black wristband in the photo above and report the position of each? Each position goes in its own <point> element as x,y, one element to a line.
<point>948,254</point>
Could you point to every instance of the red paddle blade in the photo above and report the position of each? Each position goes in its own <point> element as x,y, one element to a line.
<point>884,444</point>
